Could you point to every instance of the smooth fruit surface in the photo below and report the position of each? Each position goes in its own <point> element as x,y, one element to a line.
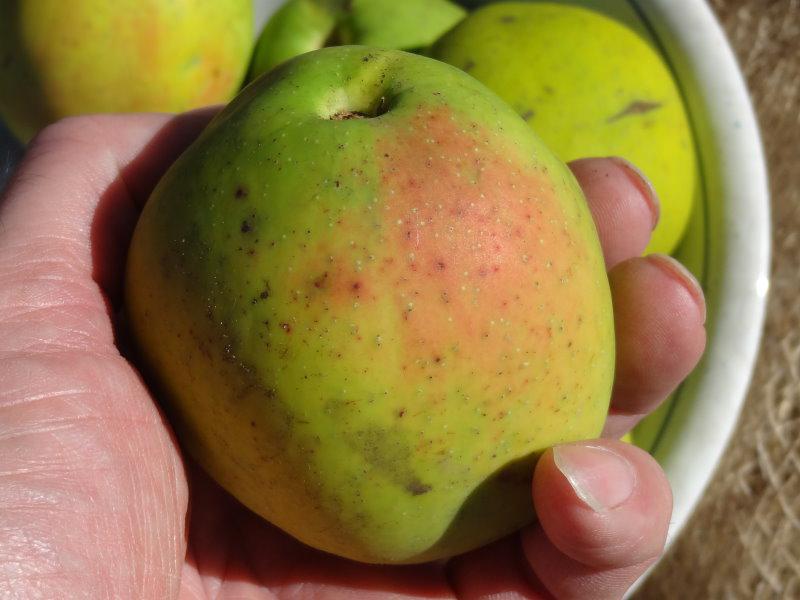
<point>589,85</point>
<point>84,56</point>
<point>300,26</point>
<point>369,297</point>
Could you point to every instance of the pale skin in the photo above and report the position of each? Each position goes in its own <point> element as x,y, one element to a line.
<point>96,499</point>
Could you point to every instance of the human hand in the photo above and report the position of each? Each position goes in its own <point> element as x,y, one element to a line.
<point>94,495</point>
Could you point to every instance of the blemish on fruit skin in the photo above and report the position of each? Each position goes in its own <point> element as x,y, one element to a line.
<point>321,281</point>
<point>637,107</point>
<point>416,488</point>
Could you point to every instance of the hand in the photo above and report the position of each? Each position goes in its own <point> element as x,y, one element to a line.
<point>94,494</point>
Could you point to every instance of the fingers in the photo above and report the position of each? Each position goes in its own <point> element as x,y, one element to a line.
<point>68,214</point>
<point>623,203</point>
<point>659,310</point>
<point>603,509</point>
<point>659,315</point>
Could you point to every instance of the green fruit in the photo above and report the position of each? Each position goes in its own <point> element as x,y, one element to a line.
<point>590,86</point>
<point>304,25</point>
<point>370,297</point>
<point>84,56</point>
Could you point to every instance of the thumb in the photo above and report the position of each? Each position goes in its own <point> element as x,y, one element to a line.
<point>604,509</point>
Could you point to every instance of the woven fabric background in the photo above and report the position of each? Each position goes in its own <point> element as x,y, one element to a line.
<point>743,541</point>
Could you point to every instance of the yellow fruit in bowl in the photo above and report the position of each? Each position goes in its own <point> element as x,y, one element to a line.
<point>84,56</point>
<point>590,85</point>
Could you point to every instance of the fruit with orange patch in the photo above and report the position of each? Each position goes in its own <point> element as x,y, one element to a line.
<point>370,297</point>
<point>84,56</point>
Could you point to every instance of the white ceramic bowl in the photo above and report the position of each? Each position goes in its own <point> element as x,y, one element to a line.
<point>737,237</point>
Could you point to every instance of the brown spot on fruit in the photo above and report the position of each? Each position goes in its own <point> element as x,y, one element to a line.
<point>246,226</point>
<point>241,192</point>
<point>286,327</point>
<point>637,107</point>
<point>527,114</point>
<point>469,65</point>
<point>416,488</point>
<point>321,281</point>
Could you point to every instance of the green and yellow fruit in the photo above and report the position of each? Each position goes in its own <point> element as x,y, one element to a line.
<point>589,85</point>
<point>370,297</point>
<point>301,26</point>
<point>83,56</point>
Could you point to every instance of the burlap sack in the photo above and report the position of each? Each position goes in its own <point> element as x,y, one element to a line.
<point>743,541</point>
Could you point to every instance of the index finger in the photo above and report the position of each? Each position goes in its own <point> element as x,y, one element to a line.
<point>623,203</point>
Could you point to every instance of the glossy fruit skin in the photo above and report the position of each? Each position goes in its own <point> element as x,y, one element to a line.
<point>85,56</point>
<point>369,297</point>
<point>300,26</point>
<point>589,85</point>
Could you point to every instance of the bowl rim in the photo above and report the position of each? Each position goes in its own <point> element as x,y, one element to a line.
<point>738,246</point>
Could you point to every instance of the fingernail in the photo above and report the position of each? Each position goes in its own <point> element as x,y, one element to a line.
<point>682,275</point>
<point>644,186</point>
<point>601,478</point>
